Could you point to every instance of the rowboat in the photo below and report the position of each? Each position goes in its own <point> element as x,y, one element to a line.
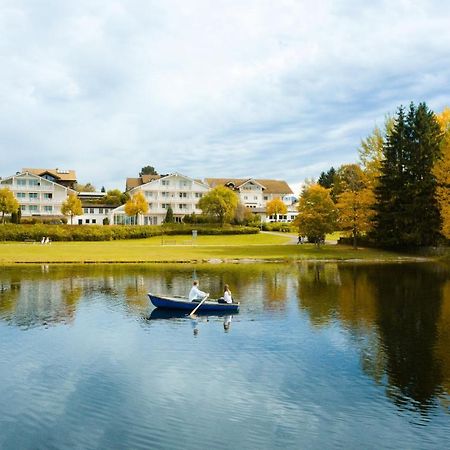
<point>182,303</point>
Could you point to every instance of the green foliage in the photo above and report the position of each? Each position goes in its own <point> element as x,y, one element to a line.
<point>220,203</point>
<point>169,215</point>
<point>35,232</point>
<point>317,213</point>
<point>115,198</point>
<point>279,226</point>
<point>88,187</point>
<point>407,212</point>
<point>148,170</point>
<point>326,179</point>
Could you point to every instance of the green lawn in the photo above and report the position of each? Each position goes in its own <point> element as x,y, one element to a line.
<point>182,249</point>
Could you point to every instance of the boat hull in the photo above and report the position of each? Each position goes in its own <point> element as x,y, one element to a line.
<point>186,305</point>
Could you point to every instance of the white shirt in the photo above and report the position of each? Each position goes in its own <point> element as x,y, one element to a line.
<point>227,297</point>
<point>196,293</point>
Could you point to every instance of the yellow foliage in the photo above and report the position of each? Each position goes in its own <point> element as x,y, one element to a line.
<point>136,205</point>
<point>72,207</point>
<point>442,172</point>
<point>276,206</point>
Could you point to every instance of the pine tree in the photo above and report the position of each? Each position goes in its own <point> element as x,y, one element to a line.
<point>407,214</point>
<point>169,215</point>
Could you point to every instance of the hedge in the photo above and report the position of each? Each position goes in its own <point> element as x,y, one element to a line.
<point>13,232</point>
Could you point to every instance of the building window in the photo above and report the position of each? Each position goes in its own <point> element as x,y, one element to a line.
<point>182,206</point>
<point>21,182</point>
<point>80,221</point>
<point>23,207</point>
<point>33,183</point>
<point>87,220</point>
<point>21,195</point>
<point>164,194</point>
<point>33,208</point>
<point>165,182</point>
<point>86,210</point>
<point>48,208</point>
<point>149,194</point>
<point>48,196</point>
<point>164,205</point>
<point>198,195</point>
<point>255,197</point>
<point>266,197</point>
<point>91,210</point>
<point>183,194</point>
<point>178,219</point>
<point>100,210</point>
<point>33,195</point>
<point>94,220</point>
<point>245,197</point>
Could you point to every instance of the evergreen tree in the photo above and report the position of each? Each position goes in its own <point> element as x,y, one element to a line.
<point>407,214</point>
<point>326,179</point>
<point>169,215</point>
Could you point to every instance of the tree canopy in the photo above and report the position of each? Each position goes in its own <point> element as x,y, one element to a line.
<point>219,203</point>
<point>407,211</point>
<point>115,197</point>
<point>275,207</point>
<point>72,207</point>
<point>8,203</point>
<point>136,205</point>
<point>441,171</point>
<point>148,170</point>
<point>316,213</point>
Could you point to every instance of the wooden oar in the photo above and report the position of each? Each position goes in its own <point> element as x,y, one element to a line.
<point>192,315</point>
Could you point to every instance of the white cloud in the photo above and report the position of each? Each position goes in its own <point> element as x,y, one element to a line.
<point>255,88</point>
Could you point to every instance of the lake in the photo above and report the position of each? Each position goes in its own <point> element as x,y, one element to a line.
<point>321,355</point>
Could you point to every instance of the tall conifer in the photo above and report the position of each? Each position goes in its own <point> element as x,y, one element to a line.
<point>407,214</point>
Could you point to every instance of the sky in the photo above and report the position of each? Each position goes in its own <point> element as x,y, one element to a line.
<point>280,89</point>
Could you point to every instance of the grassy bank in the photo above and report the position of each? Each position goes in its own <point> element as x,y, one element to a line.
<point>267,247</point>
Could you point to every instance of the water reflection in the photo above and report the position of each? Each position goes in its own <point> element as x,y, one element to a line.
<point>396,316</point>
<point>399,318</point>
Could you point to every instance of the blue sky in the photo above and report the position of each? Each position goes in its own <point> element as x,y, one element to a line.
<point>247,88</point>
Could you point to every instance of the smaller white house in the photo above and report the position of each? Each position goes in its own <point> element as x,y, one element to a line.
<point>94,214</point>
<point>178,191</point>
<point>37,196</point>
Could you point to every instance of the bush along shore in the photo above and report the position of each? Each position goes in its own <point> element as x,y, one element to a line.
<point>20,233</point>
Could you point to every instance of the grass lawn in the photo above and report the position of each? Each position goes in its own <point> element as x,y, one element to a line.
<point>182,249</point>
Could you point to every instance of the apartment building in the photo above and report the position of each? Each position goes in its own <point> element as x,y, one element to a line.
<point>179,191</point>
<point>37,196</point>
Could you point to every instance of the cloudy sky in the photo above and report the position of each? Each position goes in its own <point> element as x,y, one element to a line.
<point>244,88</point>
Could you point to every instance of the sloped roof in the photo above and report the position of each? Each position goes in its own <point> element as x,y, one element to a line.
<point>271,186</point>
<point>59,174</point>
<point>135,182</point>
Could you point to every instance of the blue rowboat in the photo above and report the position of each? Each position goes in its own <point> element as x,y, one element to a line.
<point>182,303</point>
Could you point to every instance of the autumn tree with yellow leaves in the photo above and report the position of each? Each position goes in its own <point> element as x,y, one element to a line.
<point>136,205</point>
<point>441,171</point>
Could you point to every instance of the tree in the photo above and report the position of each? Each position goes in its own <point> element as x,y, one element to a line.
<point>88,187</point>
<point>148,170</point>
<point>371,149</point>
<point>407,212</point>
<point>219,203</point>
<point>136,205</point>
<point>316,213</point>
<point>356,212</point>
<point>326,179</point>
<point>169,215</point>
<point>72,207</point>
<point>275,207</point>
<point>103,189</point>
<point>115,197</point>
<point>349,177</point>
<point>441,171</point>
<point>8,203</point>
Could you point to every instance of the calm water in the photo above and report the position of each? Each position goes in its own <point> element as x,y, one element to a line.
<point>320,356</point>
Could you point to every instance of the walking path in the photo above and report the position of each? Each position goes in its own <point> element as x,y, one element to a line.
<point>294,238</point>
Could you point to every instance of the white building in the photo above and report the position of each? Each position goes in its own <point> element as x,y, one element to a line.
<point>256,193</point>
<point>37,196</point>
<point>180,192</point>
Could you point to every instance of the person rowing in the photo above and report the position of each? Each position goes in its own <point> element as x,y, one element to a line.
<point>195,294</point>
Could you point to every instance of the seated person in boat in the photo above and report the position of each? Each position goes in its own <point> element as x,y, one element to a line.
<point>226,295</point>
<point>196,295</point>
